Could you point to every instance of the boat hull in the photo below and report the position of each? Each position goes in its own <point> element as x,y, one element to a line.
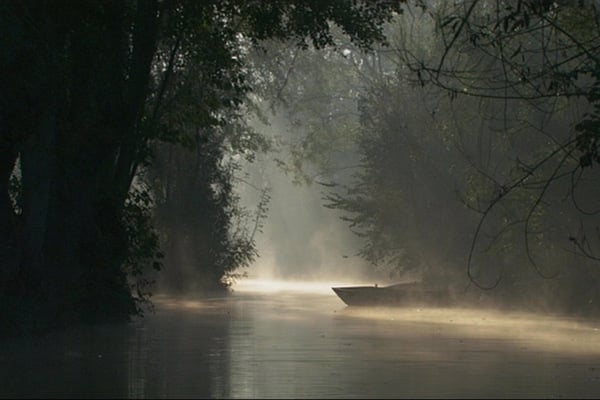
<point>395,295</point>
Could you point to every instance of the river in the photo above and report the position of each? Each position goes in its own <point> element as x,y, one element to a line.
<point>300,341</point>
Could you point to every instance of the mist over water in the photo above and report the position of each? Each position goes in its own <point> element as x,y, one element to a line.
<point>249,158</point>
<point>298,341</point>
<point>301,240</point>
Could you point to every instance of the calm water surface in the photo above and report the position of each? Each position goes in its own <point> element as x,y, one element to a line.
<point>302,342</point>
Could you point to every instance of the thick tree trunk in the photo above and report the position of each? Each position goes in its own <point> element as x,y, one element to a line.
<point>86,242</point>
<point>145,40</point>
<point>38,173</point>
<point>85,247</point>
<point>77,166</point>
<point>8,250</point>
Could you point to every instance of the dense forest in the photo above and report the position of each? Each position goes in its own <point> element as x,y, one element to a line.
<point>99,99</point>
<point>465,150</point>
<point>459,139</point>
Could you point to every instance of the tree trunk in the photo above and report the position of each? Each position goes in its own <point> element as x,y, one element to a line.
<point>38,173</point>
<point>8,251</point>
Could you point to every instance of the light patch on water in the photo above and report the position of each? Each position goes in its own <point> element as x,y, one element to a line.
<point>170,302</point>
<point>542,332</point>
<point>274,285</point>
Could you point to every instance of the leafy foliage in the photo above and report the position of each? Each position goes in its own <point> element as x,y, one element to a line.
<point>144,247</point>
<point>203,227</point>
<point>88,88</point>
<point>481,170</point>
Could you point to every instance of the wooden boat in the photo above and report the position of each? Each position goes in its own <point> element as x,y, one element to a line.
<point>400,294</point>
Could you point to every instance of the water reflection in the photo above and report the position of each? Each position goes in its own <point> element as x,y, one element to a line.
<point>182,351</point>
<point>81,362</point>
<point>300,343</point>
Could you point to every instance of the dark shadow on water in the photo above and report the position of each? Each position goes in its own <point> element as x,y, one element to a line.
<point>173,353</point>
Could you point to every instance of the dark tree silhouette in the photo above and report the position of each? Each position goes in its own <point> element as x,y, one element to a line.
<point>87,87</point>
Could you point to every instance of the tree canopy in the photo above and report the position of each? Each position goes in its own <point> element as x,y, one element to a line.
<point>475,131</point>
<point>87,89</point>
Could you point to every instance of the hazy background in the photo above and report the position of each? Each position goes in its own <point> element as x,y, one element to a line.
<point>300,238</point>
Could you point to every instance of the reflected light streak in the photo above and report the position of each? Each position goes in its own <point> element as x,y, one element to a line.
<point>543,332</point>
<point>170,302</point>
